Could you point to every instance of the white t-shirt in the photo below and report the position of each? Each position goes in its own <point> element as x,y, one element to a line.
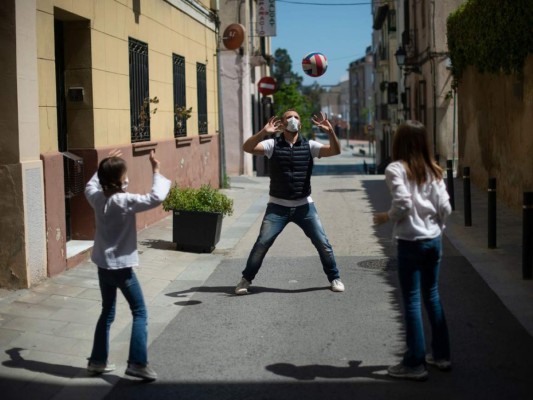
<point>268,146</point>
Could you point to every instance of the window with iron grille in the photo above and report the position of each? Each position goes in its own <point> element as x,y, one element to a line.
<point>180,118</point>
<point>139,92</point>
<point>201,82</point>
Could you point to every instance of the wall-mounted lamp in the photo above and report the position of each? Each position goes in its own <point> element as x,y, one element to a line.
<point>400,56</point>
<point>400,60</point>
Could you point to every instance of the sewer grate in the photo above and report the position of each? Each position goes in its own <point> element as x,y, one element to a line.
<point>384,264</point>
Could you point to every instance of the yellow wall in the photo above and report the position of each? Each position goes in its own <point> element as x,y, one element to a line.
<point>106,109</point>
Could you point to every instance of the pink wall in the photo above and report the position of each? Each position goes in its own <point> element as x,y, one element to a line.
<point>187,162</point>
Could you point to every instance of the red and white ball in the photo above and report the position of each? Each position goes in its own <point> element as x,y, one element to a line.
<point>315,64</point>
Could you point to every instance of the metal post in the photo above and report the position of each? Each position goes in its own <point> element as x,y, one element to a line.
<point>527,236</point>
<point>467,196</point>
<point>491,218</point>
<point>449,182</point>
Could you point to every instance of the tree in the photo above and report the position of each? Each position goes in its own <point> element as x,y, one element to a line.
<point>282,69</point>
<point>289,97</point>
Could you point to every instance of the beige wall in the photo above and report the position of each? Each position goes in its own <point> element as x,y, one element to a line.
<point>495,140</point>
<point>104,73</point>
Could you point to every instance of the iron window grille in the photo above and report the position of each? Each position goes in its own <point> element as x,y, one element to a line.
<point>139,91</point>
<point>202,98</point>
<point>178,71</point>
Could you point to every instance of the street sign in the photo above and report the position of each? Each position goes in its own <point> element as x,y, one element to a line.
<point>266,85</point>
<point>233,36</point>
<point>266,18</point>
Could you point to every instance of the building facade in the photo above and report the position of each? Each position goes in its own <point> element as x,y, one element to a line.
<point>413,79</point>
<point>361,76</point>
<point>240,71</point>
<point>83,78</point>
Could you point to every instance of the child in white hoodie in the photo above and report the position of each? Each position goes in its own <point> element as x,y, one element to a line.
<point>115,254</point>
<point>420,206</point>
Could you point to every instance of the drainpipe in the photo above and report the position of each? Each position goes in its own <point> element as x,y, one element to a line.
<point>221,145</point>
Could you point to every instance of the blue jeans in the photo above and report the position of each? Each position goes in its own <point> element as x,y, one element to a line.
<point>125,280</point>
<point>418,271</point>
<point>275,220</point>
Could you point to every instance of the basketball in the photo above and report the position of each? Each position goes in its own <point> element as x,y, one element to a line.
<point>315,64</point>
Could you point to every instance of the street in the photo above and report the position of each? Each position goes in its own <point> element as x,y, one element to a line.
<point>291,337</point>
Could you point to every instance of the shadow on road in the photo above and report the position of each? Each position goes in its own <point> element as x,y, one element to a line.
<point>230,290</point>
<point>63,371</point>
<point>311,372</point>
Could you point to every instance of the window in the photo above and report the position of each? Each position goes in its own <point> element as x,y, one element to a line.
<point>422,102</point>
<point>392,20</point>
<point>407,103</point>
<point>178,73</point>
<point>201,82</point>
<point>139,93</point>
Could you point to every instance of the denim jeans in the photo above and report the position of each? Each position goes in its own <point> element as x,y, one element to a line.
<point>418,271</point>
<point>125,280</point>
<point>275,220</point>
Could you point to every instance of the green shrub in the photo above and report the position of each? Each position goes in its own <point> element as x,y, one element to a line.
<point>205,198</point>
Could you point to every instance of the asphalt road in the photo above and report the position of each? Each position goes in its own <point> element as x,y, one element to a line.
<point>292,338</point>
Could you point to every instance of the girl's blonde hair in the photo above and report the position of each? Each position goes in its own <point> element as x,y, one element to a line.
<point>410,145</point>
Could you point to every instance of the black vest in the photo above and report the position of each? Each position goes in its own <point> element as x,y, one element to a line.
<point>291,169</point>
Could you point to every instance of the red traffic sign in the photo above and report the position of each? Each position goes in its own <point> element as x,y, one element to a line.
<point>266,85</point>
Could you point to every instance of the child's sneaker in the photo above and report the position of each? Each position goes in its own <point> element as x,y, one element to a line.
<point>415,373</point>
<point>100,368</point>
<point>141,371</point>
<point>443,365</point>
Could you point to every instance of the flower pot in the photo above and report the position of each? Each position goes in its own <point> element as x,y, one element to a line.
<point>196,231</point>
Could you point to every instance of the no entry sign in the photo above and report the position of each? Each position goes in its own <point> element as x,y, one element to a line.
<point>266,85</point>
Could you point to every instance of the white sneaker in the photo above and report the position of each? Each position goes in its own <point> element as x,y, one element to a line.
<point>443,365</point>
<point>401,371</point>
<point>97,369</point>
<point>337,285</point>
<point>242,286</point>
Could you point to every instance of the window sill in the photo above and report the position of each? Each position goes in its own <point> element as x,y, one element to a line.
<point>183,141</point>
<point>142,147</point>
<point>205,138</point>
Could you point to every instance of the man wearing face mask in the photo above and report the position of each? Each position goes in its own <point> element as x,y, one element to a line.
<point>291,165</point>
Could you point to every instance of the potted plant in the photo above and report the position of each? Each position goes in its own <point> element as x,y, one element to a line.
<point>197,216</point>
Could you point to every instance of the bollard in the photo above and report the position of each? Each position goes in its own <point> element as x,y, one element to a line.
<point>449,182</point>
<point>527,236</point>
<point>467,196</point>
<point>491,218</point>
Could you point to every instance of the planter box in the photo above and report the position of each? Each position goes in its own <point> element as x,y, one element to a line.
<point>196,231</point>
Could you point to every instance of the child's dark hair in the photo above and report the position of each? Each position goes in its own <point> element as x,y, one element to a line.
<point>110,173</point>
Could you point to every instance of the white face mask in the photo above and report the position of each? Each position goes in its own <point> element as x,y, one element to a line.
<point>293,124</point>
<point>125,184</point>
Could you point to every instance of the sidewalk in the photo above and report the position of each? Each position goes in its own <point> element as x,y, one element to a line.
<point>46,331</point>
<point>501,267</point>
